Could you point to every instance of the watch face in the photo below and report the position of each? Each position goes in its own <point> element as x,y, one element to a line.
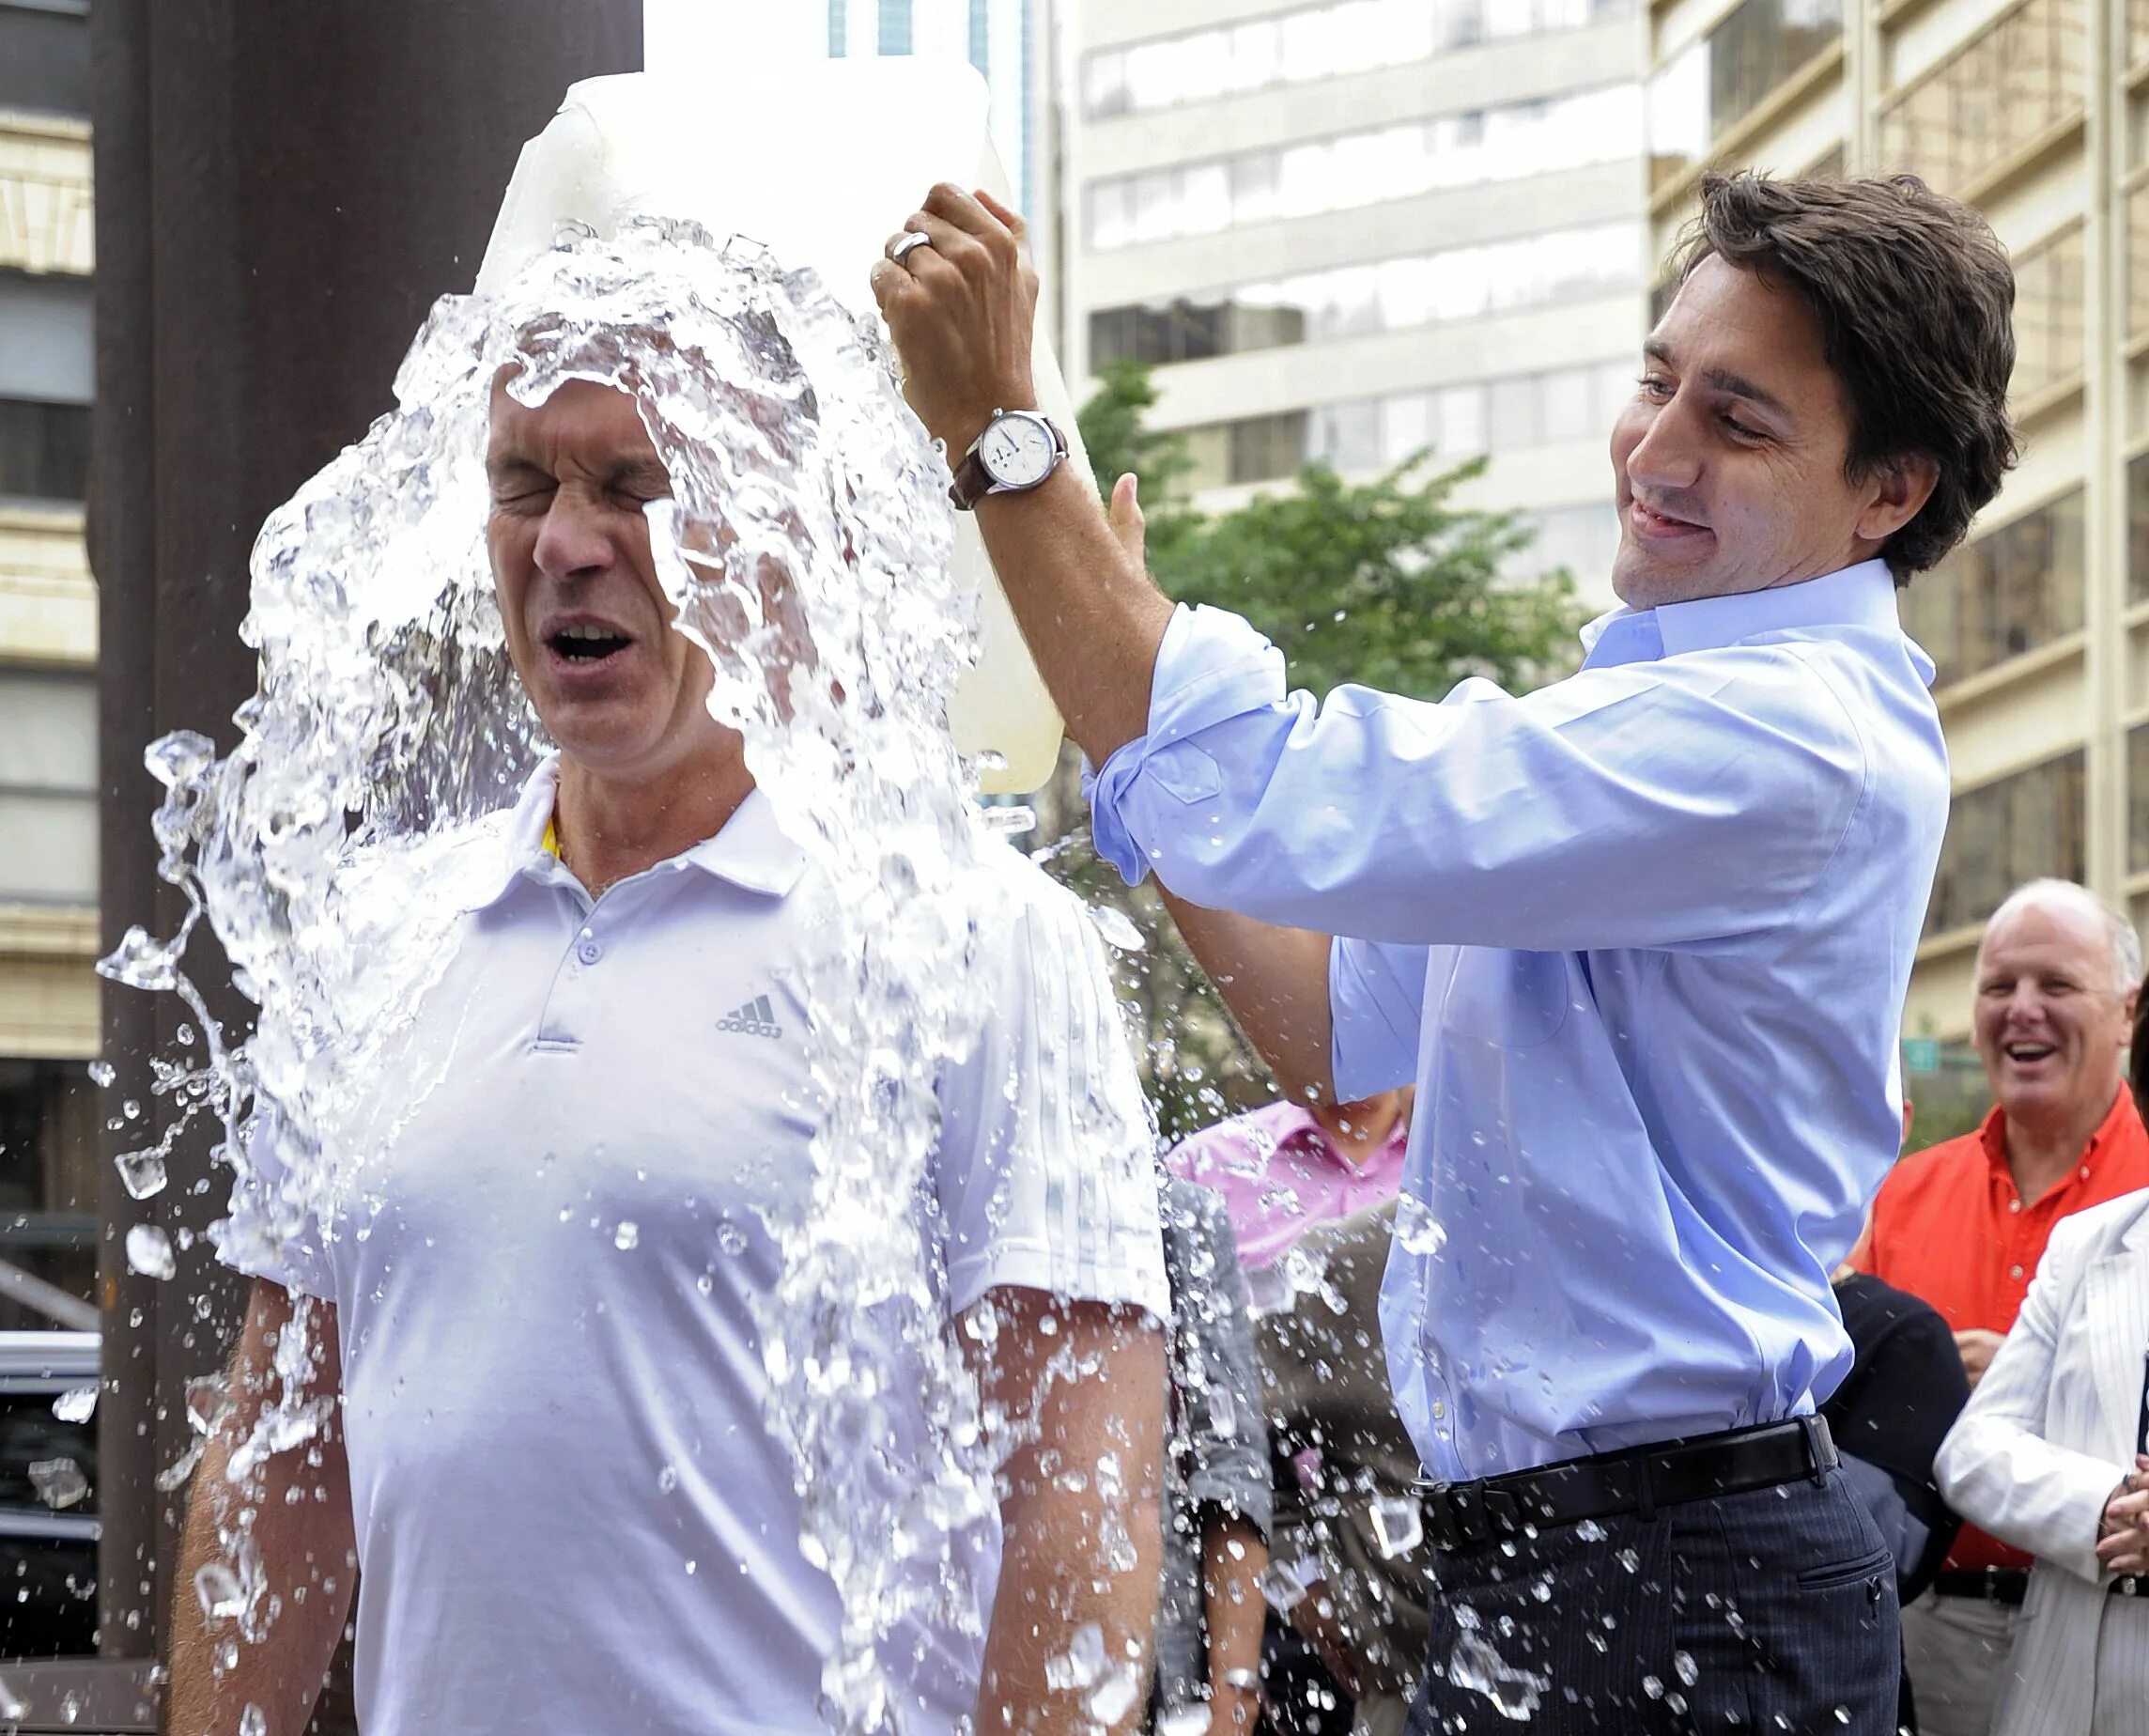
<point>1018,452</point>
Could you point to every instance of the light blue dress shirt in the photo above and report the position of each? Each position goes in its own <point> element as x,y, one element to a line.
<point>1642,938</point>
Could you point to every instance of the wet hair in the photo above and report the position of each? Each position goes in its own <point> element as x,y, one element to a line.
<point>1915,301</point>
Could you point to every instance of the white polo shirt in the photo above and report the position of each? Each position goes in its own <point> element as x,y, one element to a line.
<point>543,1246</point>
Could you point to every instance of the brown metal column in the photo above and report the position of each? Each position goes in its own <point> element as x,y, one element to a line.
<point>281,191</point>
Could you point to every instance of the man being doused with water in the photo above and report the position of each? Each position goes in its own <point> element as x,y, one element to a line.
<point>539,1309</point>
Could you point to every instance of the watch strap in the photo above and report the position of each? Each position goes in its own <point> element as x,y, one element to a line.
<point>973,482</point>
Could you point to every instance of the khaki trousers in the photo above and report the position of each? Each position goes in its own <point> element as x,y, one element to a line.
<point>1956,1649</point>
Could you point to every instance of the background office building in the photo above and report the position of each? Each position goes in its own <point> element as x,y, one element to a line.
<point>2036,112</point>
<point>49,1027</point>
<point>1352,229</point>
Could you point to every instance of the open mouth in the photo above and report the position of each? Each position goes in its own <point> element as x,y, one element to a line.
<point>1651,522</point>
<point>585,644</point>
<point>2028,1054</point>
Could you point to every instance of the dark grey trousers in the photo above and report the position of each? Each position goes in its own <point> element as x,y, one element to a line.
<point>1770,1612</point>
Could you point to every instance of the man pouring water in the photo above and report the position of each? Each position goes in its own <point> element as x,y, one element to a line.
<point>1641,938</point>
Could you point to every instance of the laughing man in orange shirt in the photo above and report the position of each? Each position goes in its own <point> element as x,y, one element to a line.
<point>1964,1224</point>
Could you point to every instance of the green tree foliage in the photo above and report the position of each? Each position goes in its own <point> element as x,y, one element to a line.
<point>1388,583</point>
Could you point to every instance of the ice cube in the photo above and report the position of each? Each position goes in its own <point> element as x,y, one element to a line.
<point>59,1482</point>
<point>142,1173</point>
<point>1118,928</point>
<point>1397,1525</point>
<point>77,1404</point>
<point>1417,1227</point>
<point>1280,1585</point>
<point>150,1251</point>
<point>1081,1663</point>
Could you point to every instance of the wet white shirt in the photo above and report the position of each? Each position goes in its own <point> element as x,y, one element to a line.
<point>570,1514</point>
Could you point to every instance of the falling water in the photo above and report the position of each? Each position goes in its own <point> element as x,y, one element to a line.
<point>805,546</point>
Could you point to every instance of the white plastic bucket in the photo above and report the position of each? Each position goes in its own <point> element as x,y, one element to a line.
<point>820,162</point>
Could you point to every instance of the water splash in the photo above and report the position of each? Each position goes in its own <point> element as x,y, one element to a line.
<point>806,548</point>
<point>1475,1665</point>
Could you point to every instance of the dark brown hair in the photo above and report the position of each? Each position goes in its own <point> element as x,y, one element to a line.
<point>1915,301</point>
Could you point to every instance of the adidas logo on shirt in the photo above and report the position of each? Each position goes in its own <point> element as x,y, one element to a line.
<point>757,1019</point>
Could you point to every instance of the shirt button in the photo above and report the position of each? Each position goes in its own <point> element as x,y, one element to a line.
<point>589,952</point>
<point>2014,1206</point>
<point>2015,1271</point>
<point>1438,1408</point>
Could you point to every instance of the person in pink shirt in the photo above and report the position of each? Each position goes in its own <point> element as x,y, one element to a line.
<point>1282,1169</point>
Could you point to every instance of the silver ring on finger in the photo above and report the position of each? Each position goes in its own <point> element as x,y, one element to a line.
<point>908,244</point>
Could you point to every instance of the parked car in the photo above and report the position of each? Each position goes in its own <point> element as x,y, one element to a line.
<point>48,1525</point>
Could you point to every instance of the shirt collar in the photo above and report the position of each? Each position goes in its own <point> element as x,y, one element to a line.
<point>1863,596</point>
<point>750,850</point>
<point>1292,1125</point>
<point>2121,1116</point>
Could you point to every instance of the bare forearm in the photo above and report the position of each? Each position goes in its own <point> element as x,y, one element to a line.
<point>1276,981</point>
<point>1055,1583</point>
<point>1090,614</point>
<point>1079,1514</point>
<point>1233,1555</point>
<point>300,1524</point>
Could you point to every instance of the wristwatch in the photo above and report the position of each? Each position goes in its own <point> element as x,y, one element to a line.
<point>1019,450</point>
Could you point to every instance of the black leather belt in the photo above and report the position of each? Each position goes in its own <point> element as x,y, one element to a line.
<point>2011,1585</point>
<point>1994,1585</point>
<point>1636,1480</point>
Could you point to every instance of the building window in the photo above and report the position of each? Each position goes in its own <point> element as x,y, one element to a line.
<point>1581,539</point>
<point>1459,282</point>
<point>1314,42</point>
<point>50,1167</point>
<point>893,35</point>
<point>2010,591</point>
<point>1991,97</point>
<point>44,451</point>
<point>2137,798</point>
<point>44,56</point>
<point>1365,168</point>
<point>47,373</point>
<point>2137,261</point>
<point>2014,830</point>
<point>1262,447</point>
<point>839,29</point>
<point>1452,422</point>
<point>1714,84</point>
<point>48,786</point>
<point>2138,528</point>
<point>2049,313</point>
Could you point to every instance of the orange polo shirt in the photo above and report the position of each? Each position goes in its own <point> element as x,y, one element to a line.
<point>1949,1226</point>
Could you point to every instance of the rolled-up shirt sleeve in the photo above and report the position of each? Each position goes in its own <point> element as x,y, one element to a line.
<point>1651,804</point>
